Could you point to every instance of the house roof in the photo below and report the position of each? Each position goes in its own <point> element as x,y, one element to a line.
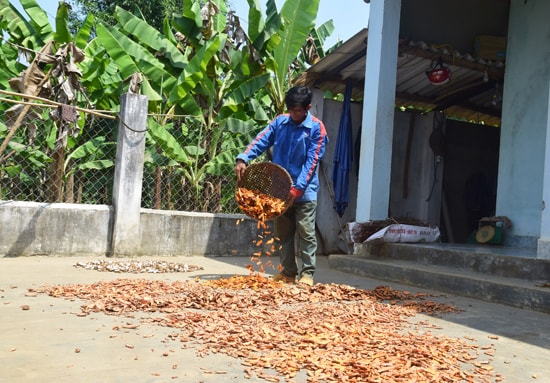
<point>473,94</point>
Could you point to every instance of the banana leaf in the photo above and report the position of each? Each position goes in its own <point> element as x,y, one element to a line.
<point>150,37</point>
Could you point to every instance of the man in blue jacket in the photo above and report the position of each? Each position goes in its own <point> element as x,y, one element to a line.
<point>297,140</point>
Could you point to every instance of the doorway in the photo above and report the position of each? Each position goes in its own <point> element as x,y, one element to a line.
<point>469,178</point>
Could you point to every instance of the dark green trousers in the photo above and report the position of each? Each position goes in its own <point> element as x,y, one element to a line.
<point>297,227</point>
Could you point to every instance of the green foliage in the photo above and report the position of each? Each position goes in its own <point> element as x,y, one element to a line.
<point>90,155</point>
<point>154,11</point>
<point>171,148</point>
<point>275,43</point>
<point>209,91</point>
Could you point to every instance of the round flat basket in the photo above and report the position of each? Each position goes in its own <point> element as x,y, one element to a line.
<point>485,234</point>
<point>264,190</point>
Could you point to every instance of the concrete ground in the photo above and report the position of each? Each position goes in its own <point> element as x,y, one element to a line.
<point>43,340</point>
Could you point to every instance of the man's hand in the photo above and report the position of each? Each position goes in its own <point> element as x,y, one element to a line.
<point>239,169</point>
<point>294,195</point>
<point>291,201</point>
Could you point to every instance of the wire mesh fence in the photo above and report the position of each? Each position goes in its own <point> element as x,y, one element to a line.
<point>57,154</point>
<point>189,166</point>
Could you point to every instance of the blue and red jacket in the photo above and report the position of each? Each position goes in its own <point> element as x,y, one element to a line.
<point>297,148</point>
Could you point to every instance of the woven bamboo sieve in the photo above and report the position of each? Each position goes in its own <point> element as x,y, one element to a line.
<point>268,179</point>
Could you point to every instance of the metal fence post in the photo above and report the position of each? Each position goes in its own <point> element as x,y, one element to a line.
<point>129,175</point>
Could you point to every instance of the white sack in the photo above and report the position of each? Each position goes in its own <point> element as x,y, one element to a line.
<point>404,233</point>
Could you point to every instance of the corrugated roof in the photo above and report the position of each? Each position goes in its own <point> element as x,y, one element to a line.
<point>474,93</point>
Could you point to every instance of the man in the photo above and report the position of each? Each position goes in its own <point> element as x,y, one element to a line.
<point>297,141</point>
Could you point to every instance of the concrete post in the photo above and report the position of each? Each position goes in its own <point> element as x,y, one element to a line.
<point>373,191</point>
<point>129,175</point>
<point>543,243</point>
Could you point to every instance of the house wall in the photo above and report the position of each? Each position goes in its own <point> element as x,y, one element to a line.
<point>416,179</point>
<point>331,239</point>
<point>525,121</point>
<point>436,185</point>
<point>523,140</point>
<point>442,187</point>
<point>330,225</point>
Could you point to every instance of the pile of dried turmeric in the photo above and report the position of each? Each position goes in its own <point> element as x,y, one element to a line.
<point>353,335</point>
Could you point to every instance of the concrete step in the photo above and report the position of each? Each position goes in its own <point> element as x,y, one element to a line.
<point>517,292</point>
<point>494,260</point>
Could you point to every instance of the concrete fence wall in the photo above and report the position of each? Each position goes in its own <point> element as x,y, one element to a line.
<point>123,229</point>
<point>58,229</point>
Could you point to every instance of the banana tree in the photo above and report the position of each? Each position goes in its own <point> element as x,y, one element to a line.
<point>200,109</point>
<point>257,63</point>
<point>26,160</point>
<point>203,66</point>
<point>275,42</point>
<point>53,74</point>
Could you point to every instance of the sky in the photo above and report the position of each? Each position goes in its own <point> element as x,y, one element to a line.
<point>348,16</point>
